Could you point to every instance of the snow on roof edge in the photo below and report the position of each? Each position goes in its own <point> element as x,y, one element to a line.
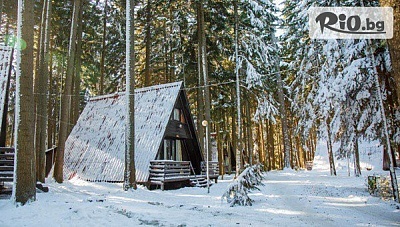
<point>138,90</point>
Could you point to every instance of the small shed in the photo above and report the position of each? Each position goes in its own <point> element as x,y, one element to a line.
<point>164,130</point>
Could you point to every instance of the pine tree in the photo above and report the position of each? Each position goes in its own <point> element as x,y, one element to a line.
<point>248,180</point>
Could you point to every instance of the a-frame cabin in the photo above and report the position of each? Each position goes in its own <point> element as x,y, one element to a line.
<point>165,138</point>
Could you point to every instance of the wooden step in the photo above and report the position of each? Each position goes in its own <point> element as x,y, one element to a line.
<point>6,162</point>
<point>7,156</point>
<point>6,179</point>
<point>6,174</point>
<point>6,168</point>
<point>199,182</point>
<point>7,150</point>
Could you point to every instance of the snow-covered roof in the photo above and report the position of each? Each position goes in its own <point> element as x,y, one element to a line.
<point>95,148</point>
<point>5,60</point>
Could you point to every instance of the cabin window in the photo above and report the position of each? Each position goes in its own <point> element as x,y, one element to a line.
<point>171,150</point>
<point>177,114</point>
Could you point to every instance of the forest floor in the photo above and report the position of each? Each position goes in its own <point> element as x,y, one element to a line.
<point>288,198</point>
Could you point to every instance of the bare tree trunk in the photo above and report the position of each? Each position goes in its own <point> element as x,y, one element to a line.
<point>220,151</point>
<point>66,99</point>
<point>39,53</point>
<point>330,150</point>
<point>206,89</point>
<point>1,12</point>
<point>228,144</point>
<point>41,108</point>
<point>148,45</point>
<point>239,164</point>
<point>394,43</point>
<point>76,98</point>
<point>271,145</point>
<point>103,50</point>
<point>234,136</point>
<point>24,187</point>
<point>200,90</point>
<point>357,168</point>
<point>51,105</point>
<point>249,132</point>
<point>130,170</point>
<point>260,139</point>
<point>282,110</point>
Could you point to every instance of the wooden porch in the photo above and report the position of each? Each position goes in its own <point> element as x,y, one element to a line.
<point>164,172</point>
<point>6,164</point>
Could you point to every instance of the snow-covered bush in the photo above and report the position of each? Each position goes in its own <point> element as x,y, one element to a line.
<point>249,179</point>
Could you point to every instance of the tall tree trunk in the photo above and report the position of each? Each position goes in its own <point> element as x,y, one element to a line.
<point>103,50</point>
<point>394,43</point>
<point>51,107</point>
<point>249,132</point>
<point>330,149</point>
<point>25,173</point>
<point>148,45</point>
<point>282,110</point>
<point>130,170</point>
<point>271,145</point>
<point>41,107</point>
<point>260,134</point>
<point>38,56</point>
<point>200,90</point>
<point>76,98</point>
<point>228,143</point>
<point>207,102</point>
<point>1,12</point>
<point>357,168</point>
<point>239,164</point>
<point>220,151</point>
<point>3,126</point>
<point>66,98</point>
<point>234,138</point>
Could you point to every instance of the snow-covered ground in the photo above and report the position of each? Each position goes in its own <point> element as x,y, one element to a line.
<point>288,198</point>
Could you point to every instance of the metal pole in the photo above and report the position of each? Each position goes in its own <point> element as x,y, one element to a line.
<point>205,124</point>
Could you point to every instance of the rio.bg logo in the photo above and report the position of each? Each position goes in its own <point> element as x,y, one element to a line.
<point>351,22</point>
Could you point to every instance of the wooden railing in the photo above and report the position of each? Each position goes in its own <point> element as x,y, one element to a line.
<point>164,171</point>
<point>7,164</point>
<point>213,170</point>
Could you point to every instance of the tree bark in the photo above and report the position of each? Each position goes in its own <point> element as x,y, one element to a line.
<point>103,50</point>
<point>330,150</point>
<point>282,110</point>
<point>249,132</point>
<point>43,87</point>
<point>271,146</point>
<point>66,98</point>
<point>394,43</point>
<point>148,45</point>
<point>239,164</point>
<point>200,90</point>
<point>24,187</point>
<point>76,98</point>
<point>130,170</point>
<point>357,168</point>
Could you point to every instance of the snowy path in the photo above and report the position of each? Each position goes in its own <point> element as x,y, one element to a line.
<point>287,199</point>
<point>316,199</point>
